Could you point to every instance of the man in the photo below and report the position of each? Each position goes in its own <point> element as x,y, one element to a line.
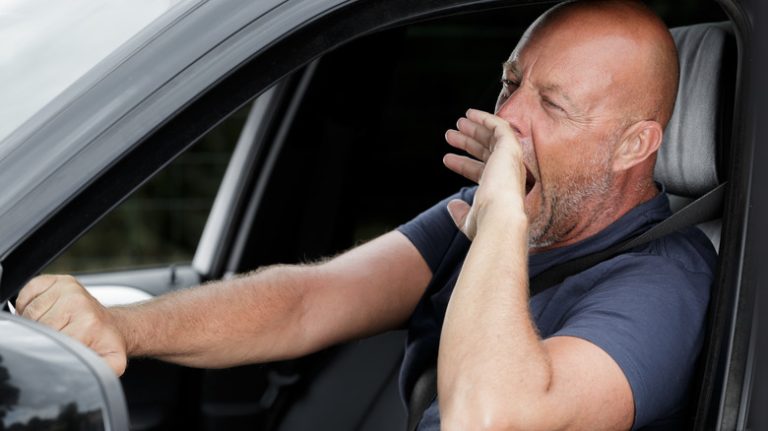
<point>564,169</point>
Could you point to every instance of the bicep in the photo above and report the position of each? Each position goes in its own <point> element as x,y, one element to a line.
<point>588,387</point>
<point>370,289</point>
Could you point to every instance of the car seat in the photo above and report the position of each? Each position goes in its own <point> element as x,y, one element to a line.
<point>692,161</point>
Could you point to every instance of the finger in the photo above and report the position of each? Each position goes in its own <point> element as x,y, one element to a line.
<point>32,289</point>
<point>459,211</point>
<point>55,320</point>
<point>61,313</point>
<point>41,304</point>
<point>497,125</point>
<point>477,131</point>
<point>487,119</point>
<point>474,129</point>
<point>461,141</point>
<point>470,169</point>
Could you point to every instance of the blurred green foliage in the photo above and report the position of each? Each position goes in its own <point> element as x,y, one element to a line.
<point>162,221</point>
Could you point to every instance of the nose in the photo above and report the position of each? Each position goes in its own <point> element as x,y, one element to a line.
<point>515,110</point>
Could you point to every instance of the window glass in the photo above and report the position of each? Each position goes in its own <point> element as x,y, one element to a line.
<point>160,223</point>
<point>48,45</point>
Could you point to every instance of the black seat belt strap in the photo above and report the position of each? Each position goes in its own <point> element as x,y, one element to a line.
<point>705,208</point>
<point>424,391</point>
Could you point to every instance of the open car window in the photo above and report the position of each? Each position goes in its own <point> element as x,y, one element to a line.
<point>160,223</point>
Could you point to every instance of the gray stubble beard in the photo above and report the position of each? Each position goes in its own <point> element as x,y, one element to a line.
<point>565,207</point>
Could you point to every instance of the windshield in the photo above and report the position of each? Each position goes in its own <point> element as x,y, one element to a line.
<point>48,45</point>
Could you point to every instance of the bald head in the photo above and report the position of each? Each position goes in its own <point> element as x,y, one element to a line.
<point>588,91</point>
<point>642,54</point>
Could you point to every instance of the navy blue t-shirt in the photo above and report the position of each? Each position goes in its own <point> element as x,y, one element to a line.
<point>646,308</point>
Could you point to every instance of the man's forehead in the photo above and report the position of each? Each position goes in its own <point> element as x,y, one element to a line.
<point>576,68</point>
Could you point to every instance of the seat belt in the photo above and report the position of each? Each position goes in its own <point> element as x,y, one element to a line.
<point>705,208</point>
<point>424,391</point>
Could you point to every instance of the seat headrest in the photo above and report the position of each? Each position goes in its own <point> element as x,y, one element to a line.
<point>687,162</point>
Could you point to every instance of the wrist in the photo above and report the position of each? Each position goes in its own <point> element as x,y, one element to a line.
<point>504,214</point>
<point>122,322</point>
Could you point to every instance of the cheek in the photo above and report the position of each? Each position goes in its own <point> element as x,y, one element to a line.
<point>561,152</point>
<point>550,152</point>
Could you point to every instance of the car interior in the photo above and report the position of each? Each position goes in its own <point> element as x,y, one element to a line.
<point>351,148</point>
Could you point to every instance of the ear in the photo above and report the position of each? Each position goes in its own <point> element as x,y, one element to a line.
<point>638,143</point>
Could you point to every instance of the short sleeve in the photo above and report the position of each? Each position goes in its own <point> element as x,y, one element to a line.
<point>647,312</point>
<point>431,232</point>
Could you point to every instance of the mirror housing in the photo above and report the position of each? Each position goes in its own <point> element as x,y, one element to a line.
<point>51,381</point>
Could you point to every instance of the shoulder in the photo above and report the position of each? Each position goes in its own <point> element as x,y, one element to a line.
<point>687,255</point>
<point>689,248</point>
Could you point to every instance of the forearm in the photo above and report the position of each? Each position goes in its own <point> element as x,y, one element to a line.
<point>493,367</point>
<point>254,318</point>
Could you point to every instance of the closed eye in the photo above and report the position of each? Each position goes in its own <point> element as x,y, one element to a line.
<point>552,104</point>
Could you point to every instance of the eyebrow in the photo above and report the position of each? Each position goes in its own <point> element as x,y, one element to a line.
<point>511,65</point>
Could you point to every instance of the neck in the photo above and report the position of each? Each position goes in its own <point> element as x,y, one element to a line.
<point>595,216</point>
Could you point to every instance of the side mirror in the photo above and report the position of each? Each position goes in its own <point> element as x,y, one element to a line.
<point>50,381</point>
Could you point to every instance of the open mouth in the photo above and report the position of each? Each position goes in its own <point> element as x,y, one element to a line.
<point>530,181</point>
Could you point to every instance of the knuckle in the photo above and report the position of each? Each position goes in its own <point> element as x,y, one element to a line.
<point>70,280</point>
<point>68,304</point>
<point>42,279</point>
<point>79,300</point>
<point>28,290</point>
<point>73,299</point>
<point>30,311</point>
<point>41,282</point>
<point>34,311</point>
<point>69,283</point>
<point>21,301</point>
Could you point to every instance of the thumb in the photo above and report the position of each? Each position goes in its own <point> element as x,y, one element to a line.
<point>459,211</point>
